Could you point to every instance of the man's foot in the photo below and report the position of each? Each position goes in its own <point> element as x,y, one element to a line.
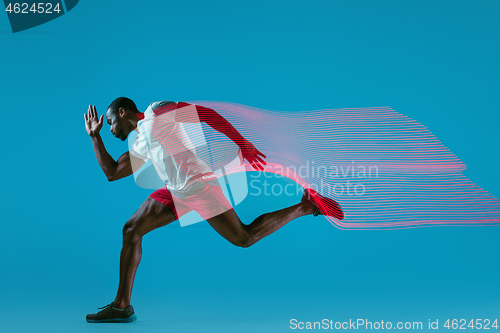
<point>110,314</point>
<point>323,205</point>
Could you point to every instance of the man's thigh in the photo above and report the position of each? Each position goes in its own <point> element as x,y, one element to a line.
<point>229,226</point>
<point>150,215</point>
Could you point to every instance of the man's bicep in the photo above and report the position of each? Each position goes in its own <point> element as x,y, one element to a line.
<point>127,164</point>
<point>191,113</point>
<point>135,162</point>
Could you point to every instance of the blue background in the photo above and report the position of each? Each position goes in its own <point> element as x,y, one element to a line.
<point>434,61</point>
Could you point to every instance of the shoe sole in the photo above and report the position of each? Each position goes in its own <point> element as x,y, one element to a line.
<point>336,209</point>
<point>115,320</point>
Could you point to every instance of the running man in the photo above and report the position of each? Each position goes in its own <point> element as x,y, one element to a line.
<point>190,184</point>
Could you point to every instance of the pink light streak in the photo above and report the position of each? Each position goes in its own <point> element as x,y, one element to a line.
<point>419,181</point>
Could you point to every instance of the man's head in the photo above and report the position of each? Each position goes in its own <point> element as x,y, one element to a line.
<point>122,117</point>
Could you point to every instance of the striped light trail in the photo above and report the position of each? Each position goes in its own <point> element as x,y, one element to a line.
<point>386,170</point>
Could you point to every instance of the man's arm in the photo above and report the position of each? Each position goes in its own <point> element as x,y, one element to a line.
<point>220,124</point>
<point>113,170</point>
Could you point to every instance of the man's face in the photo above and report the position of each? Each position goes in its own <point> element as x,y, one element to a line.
<point>118,124</point>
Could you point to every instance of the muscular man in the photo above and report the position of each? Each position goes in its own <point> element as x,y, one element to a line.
<point>190,184</point>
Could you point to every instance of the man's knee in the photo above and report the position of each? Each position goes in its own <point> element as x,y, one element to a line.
<point>244,240</point>
<point>131,232</point>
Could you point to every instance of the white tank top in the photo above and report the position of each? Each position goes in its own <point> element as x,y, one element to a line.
<point>170,144</point>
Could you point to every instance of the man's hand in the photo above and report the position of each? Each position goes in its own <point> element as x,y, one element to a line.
<point>251,154</point>
<point>93,123</point>
<point>218,123</point>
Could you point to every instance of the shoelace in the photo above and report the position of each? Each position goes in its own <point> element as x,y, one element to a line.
<point>106,306</point>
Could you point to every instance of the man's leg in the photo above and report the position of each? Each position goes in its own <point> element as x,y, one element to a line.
<point>151,215</point>
<point>229,226</point>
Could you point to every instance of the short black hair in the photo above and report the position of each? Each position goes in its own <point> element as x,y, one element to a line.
<point>123,102</point>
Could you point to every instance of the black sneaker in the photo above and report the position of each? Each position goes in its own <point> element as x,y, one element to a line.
<point>111,314</point>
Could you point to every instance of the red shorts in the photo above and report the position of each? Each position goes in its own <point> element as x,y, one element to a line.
<point>208,201</point>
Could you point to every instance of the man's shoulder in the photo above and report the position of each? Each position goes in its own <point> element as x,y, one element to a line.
<point>157,104</point>
<point>160,107</point>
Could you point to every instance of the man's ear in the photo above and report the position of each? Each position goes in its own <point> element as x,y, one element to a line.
<point>121,112</point>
